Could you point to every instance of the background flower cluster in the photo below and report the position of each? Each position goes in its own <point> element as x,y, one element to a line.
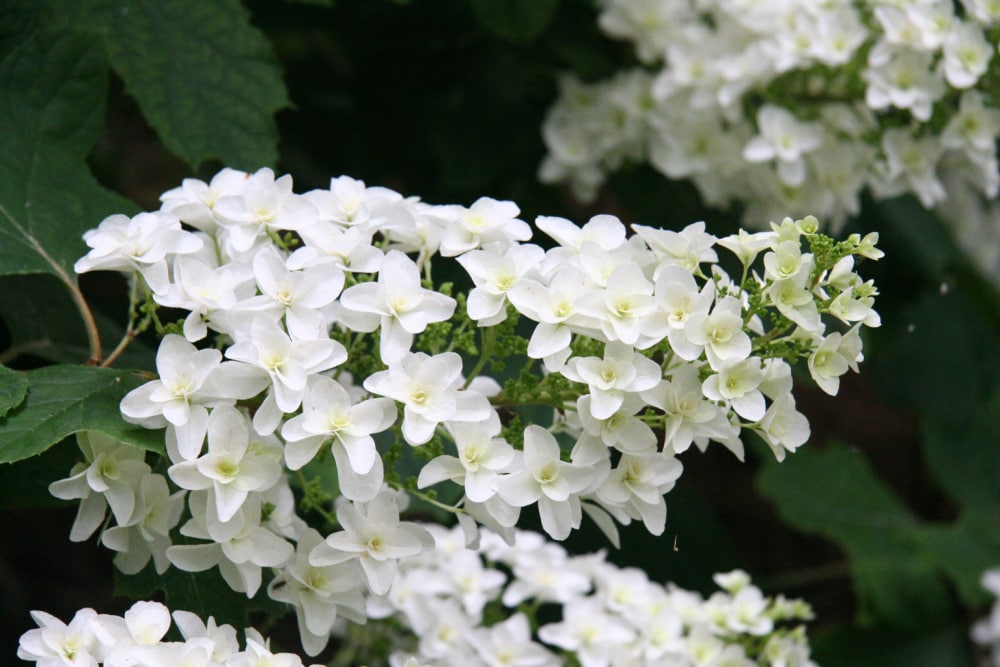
<point>797,108</point>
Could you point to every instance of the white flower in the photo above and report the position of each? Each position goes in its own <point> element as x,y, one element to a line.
<point>191,381</point>
<point>622,430</point>
<point>318,593</point>
<point>549,481</point>
<point>967,54</point>
<point>397,304</point>
<point>288,363</point>
<point>156,513</point>
<point>428,389</point>
<point>373,534</point>
<point>244,548</point>
<point>55,643</point>
<point>553,306</point>
<point>912,163</point>
<point>481,458</point>
<point>348,249</point>
<point>265,205</point>
<point>194,201</point>
<point>486,222</point>
<point>720,333</point>
<point>786,139</point>
<point>509,644</point>
<point>783,427</point>
<point>902,79</point>
<point>207,291</point>
<point>690,417</point>
<point>689,248</point>
<point>739,384</point>
<point>231,468</point>
<point>297,296</point>
<point>329,413</point>
<point>638,483</point>
<point>110,475</point>
<point>494,274</point>
<point>140,244</point>
<point>589,632</point>
<point>827,363</point>
<point>621,371</point>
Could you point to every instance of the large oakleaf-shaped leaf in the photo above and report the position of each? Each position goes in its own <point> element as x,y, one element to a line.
<point>835,493</point>
<point>52,92</point>
<point>63,400</point>
<point>203,75</point>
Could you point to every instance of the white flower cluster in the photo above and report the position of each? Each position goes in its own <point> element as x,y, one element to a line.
<point>137,638</point>
<point>986,631</point>
<point>793,107</point>
<point>453,606</point>
<point>466,609</point>
<point>323,319</point>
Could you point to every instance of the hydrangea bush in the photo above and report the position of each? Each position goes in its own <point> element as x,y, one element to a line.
<point>324,357</point>
<point>797,107</point>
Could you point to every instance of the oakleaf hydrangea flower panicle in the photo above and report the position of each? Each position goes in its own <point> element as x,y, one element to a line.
<point>434,614</point>
<point>310,388</point>
<point>794,108</point>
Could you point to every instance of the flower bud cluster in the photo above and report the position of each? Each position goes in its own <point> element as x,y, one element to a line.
<point>137,638</point>
<point>791,107</point>
<point>313,326</point>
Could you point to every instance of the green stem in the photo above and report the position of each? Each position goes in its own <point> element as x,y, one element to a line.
<point>130,330</point>
<point>489,341</point>
<point>427,499</point>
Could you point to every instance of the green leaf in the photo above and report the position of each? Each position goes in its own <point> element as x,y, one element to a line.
<point>13,389</point>
<point>919,234</point>
<point>204,593</point>
<point>834,493</point>
<point>949,386</point>
<point>63,400</point>
<point>964,550</point>
<point>516,20</point>
<point>203,75</point>
<point>964,457</point>
<point>52,91</point>
<point>843,646</point>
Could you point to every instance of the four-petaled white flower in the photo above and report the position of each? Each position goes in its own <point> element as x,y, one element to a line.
<point>481,458</point>
<point>287,362</point>
<point>396,304</point>
<point>328,413</point>
<point>231,468</point>
<point>549,481</point>
<point>428,388</point>
<point>373,534</point>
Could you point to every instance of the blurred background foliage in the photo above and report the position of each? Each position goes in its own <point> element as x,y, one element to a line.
<point>884,521</point>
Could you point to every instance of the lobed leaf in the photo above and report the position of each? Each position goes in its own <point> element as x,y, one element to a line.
<point>203,75</point>
<point>835,494</point>
<point>63,400</point>
<point>52,93</point>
